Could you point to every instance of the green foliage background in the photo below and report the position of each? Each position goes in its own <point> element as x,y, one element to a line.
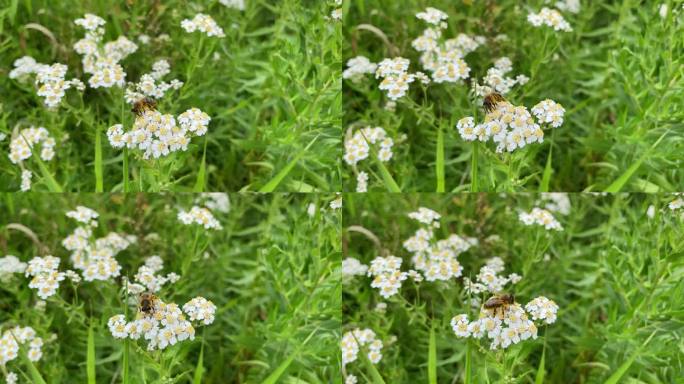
<point>615,274</point>
<point>619,75</point>
<point>273,273</point>
<point>272,91</point>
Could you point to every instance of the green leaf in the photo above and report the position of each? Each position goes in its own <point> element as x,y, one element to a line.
<point>90,359</point>
<point>541,370</point>
<point>615,377</point>
<point>620,182</point>
<point>440,161</point>
<point>199,184</point>
<point>387,178</point>
<point>468,365</point>
<point>432,358</point>
<point>273,183</point>
<point>52,184</point>
<point>98,161</point>
<point>474,178</point>
<point>199,370</point>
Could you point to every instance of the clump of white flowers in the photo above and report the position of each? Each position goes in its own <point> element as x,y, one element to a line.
<point>237,4</point>
<point>508,324</point>
<point>151,84</point>
<point>147,278</point>
<point>512,127</point>
<point>489,279</point>
<point>387,275</point>
<point>50,79</point>
<point>556,202</point>
<point>26,176</point>
<point>157,134</point>
<point>166,326</point>
<point>102,61</point>
<point>9,265</point>
<point>45,275</point>
<point>337,202</point>
<point>551,18</point>
<point>676,204</point>
<point>13,337</point>
<point>353,341</point>
<point>444,58</point>
<point>94,257</point>
<point>357,68</point>
<point>572,6</point>
<point>29,140</point>
<point>541,217</point>
<point>362,182</point>
<point>199,215</point>
<point>215,201</point>
<point>395,76</point>
<point>435,259</point>
<point>202,23</point>
<point>497,79</point>
<point>357,146</point>
<point>352,267</point>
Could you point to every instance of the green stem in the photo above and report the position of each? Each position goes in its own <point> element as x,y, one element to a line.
<point>474,178</point>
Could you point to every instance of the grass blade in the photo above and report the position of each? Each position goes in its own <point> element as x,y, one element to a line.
<point>541,370</point>
<point>440,161</point>
<point>620,182</point>
<point>432,357</point>
<point>199,184</point>
<point>546,177</point>
<point>52,184</point>
<point>90,360</point>
<point>387,178</point>
<point>468,365</point>
<point>375,375</point>
<point>98,161</point>
<point>275,375</point>
<point>273,183</point>
<point>615,377</point>
<point>199,370</point>
<point>126,183</point>
<point>474,181</point>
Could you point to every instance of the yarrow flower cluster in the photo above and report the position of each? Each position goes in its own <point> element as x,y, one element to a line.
<point>435,259</point>
<point>395,76</point>
<point>387,275</point>
<point>26,176</point>
<point>541,217</point>
<point>353,267</point>
<point>203,23</point>
<point>336,13</point>
<point>199,215</point>
<point>23,145</point>
<point>362,182</point>
<point>551,18</point>
<point>337,202</point>
<point>676,204</point>
<point>94,257</point>
<point>50,79</point>
<point>157,134</point>
<point>12,338</point>
<point>102,61</point>
<point>357,68</point>
<point>572,6</point>
<point>215,201</point>
<point>512,127</point>
<point>45,275</point>
<point>353,341</point>
<point>167,324</point>
<point>148,279</point>
<point>489,279</point>
<point>9,265</point>
<point>556,202</point>
<point>357,146</point>
<point>151,84</point>
<point>497,80</point>
<point>237,4</point>
<point>444,58</point>
<point>542,308</point>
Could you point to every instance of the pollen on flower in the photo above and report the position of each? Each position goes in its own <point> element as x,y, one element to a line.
<point>353,341</point>
<point>541,217</point>
<point>199,215</point>
<point>203,23</point>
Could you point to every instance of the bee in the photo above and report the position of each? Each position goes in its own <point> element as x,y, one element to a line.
<point>142,105</point>
<point>147,303</point>
<point>501,301</point>
<point>491,101</point>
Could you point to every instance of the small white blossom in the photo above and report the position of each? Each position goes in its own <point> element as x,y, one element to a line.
<point>551,18</point>
<point>203,23</point>
<point>540,217</point>
<point>199,215</point>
